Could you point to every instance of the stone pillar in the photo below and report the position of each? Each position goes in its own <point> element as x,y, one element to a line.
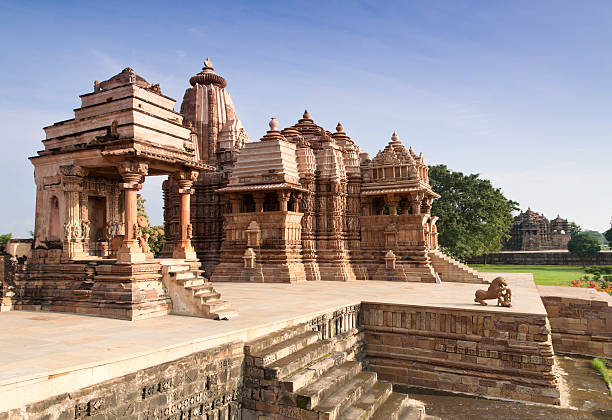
<point>259,201</point>
<point>235,203</point>
<point>72,243</point>
<point>392,201</point>
<point>415,203</point>
<point>133,174</point>
<point>283,197</point>
<point>183,248</point>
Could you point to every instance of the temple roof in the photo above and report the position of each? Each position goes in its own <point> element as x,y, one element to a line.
<point>208,76</point>
<point>126,77</point>
<point>395,153</point>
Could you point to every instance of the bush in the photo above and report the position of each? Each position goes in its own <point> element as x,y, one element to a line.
<point>584,246</point>
<point>599,285</point>
<point>598,269</point>
<point>4,238</point>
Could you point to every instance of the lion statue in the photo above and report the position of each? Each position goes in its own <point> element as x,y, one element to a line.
<point>497,290</point>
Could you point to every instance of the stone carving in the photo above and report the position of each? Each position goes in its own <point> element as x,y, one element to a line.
<point>85,229</point>
<point>72,231</point>
<point>497,290</point>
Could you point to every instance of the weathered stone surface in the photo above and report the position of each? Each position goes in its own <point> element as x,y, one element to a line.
<point>465,351</point>
<point>202,384</point>
<point>580,320</point>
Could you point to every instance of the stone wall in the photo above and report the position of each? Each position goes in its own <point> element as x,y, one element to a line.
<point>204,385</point>
<point>580,319</point>
<point>541,258</point>
<point>486,353</point>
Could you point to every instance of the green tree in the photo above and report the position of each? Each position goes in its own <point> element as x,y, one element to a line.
<point>574,229</point>
<point>475,217</point>
<point>584,246</point>
<point>598,236</point>
<point>608,234</point>
<point>156,233</point>
<point>4,238</point>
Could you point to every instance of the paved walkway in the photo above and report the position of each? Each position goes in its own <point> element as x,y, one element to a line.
<point>50,353</point>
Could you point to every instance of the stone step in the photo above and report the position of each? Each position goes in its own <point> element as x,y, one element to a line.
<point>257,346</point>
<point>179,268</point>
<point>291,364</point>
<point>313,371</point>
<point>311,395</point>
<point>226,314</point>
<point>208,298</point>
<point>368,403</point>
<point>215,306</point>
<point>191,282</point>
<point>201,289</point>
<point>285,348</point>
<point>392,407</point>
<point>331,407</point>
<point>184,275</point>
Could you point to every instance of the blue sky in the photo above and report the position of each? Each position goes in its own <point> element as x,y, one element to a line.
<point>516,91</point>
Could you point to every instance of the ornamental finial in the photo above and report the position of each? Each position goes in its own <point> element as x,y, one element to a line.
<point>306,115</point>
<point>208,63</point>
<point>273,124</point>
<point>339,127</point>
<point>394,136</point>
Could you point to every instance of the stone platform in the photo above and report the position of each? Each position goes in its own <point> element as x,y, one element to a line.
<point>47,354</point>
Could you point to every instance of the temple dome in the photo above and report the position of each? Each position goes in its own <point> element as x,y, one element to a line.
<point>208,76</point>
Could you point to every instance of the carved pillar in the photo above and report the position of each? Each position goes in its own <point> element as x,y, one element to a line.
<point>283,198</point>
<point>392,201</point>
<point>183,248</point>
<point>259,201</point>
<point>72,179</point>
<point>133,174</point>
<point>415,203</point>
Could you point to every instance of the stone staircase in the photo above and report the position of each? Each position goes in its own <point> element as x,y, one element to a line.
<point>191,293</point>
<point>451,270</point>
<point>294,373</point>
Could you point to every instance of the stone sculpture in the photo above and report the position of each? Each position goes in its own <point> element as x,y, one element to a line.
<point>497,290</point>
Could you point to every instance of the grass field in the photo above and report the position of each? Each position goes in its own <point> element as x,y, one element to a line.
<point>548,275</point>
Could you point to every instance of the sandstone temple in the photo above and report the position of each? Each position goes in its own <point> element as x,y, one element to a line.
<point>531,231</point>
<point>300,277</point>
<point>301,204</point>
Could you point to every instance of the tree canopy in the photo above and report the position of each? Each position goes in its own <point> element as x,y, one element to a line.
<point>608,234</point>
<point>156,233</point>
<point>598,236</point>
<point>475,217</point>
<point>4,238</point>
<point>584,246</point>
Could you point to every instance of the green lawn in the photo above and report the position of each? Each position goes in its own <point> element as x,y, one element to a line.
<point>549,275</point>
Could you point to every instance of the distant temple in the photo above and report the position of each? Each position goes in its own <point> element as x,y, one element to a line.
<point>532,231</point>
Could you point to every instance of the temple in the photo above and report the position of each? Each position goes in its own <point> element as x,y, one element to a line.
<point>324,260</point>
<point>531,231</point>
<point>301,204</point>
<point>90,254</point>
